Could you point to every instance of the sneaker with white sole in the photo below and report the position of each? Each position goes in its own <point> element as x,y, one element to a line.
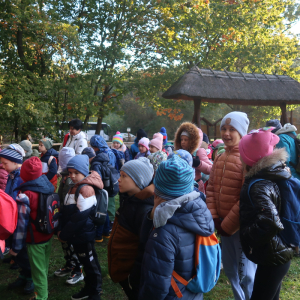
<point>83,294</point>
<point>74,278</point>
<point>63,272</point>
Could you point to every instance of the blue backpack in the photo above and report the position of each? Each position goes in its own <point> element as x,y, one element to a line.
<point>119,155</point>
<point>207,266</point>
<point>290,209</point>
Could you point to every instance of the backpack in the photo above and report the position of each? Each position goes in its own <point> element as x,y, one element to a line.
<point>99,215</point>
<point>47,218</point>
<point>297,145</point>
<point>110,178</point>
<point>207,266</point>
<point>120,159</point>
<point>290,209</point>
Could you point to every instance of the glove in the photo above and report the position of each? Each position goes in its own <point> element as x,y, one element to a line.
<point>196,162</point>
<point>219,229</point>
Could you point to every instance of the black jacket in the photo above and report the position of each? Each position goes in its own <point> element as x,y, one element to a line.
<point>259,221</point>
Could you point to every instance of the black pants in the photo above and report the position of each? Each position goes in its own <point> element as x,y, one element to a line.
<point>22,260</point>
<point>71,258</point>
<point>267,282</point>
<point>128,291</point>
<point>88,258</point>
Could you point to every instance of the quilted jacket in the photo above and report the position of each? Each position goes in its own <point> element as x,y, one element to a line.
<point>3,178</point>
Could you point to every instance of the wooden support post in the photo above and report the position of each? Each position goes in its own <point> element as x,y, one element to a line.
<point>291,120</point>
<point>197,111</point>
<point>283,119</point>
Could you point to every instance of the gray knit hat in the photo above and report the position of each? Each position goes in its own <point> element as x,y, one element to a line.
<point>140,171</point>
<point>47,143</point>
<point>274,123</point>
<point>27,146</point>
<point>238,120</point>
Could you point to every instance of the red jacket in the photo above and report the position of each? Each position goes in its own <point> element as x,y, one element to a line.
<point>3,178</point>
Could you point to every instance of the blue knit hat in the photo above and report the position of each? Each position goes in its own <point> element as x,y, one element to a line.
<point>163,131</point>
<point>89,151</point>
<point>174,178</point>
<point>184,155</point>
<point>13,152</point>
<point>140,171</point>
<point>205,138</point>
<point>274,123</point>
<point>238,120</point>
<point>79,163</point>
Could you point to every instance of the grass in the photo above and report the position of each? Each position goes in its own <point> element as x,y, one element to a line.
<point>59,290</point>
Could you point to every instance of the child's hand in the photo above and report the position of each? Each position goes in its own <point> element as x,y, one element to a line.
<point>12,252</point>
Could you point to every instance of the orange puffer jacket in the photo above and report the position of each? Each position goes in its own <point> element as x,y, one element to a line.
<point>224,187</point>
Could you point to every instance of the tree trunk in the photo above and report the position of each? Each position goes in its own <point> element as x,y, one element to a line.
<point>283,119</point>
<point>197,110</point>
<point>87,117</point>
<point>99,125</point>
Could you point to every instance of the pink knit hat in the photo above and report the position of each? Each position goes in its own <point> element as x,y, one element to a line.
<point>217,142</point>
<point>257,144</point>
<point>144,142</point>
<point>157,141</point>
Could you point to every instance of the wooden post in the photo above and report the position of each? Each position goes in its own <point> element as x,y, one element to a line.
<point>197,111</point>
<point>291,120</point>
<point>283,119</point>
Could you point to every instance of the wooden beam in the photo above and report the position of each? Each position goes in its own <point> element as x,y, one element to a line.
<point>197,111</point>
<point>283,119</point>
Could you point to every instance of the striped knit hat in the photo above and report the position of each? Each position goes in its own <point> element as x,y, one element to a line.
<point>13,152</point>
<point>140,171</point>
<point>118,138</point>
<point>173,179</point>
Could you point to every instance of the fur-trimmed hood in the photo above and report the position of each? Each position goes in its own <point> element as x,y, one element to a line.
<point>195,136</point>
<point>271,166</point>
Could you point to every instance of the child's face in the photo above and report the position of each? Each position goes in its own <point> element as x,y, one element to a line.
<point>127,185</point>
<point>230,136</point>
<point>75,175</point>
<point>185,142</point>
<point>42,148</point>
<point>73,131</point>
<point>116,145</point>
<point>95,149</point>
<point>8,165</point>
<point>142,149</point>
<point>153,149</point>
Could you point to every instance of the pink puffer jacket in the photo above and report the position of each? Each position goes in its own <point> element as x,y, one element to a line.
<point>3,178</point>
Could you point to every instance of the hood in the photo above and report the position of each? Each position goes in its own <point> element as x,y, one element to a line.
<point>65,154</point>
<point>80,135</point>
<point>271,167</point>
<point>287,128</point>
<point>99,142</point>
<point>194,136</point>
<point>188,211</point>
<point>93,179</point>
<point>39,185</point>
<point>201,137</point>
<point>123,148</point>
<point>101,158</point>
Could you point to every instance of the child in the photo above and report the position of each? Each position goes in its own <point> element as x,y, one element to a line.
<point>72,267</point>
<point>49,160</point>
<point>79,230</point>
<point>117,143</point>
<point>27,146</point>
<point>39,248</point>
<point>3,177</point>
<point>167,146</point>
<point>134,148</point>
<point>157,158</point>
<point>89,151</point>
<point>222,198</point>
<point>188,137</point>
<point>260,209</point>
<point>143,148</point>
<point>126,246</point>
<point>178,215</point>
<point>156,143</point>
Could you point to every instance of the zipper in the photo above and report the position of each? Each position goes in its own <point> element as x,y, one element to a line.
<point>223,173</point>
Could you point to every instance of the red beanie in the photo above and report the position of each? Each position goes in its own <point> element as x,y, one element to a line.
<point>31,169</point>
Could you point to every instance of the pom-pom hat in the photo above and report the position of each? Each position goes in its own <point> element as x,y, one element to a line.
<point>118,138</point>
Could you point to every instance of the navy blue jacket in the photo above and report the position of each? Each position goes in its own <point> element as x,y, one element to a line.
<point>13,181</point>
<point>172,247</point>
<point>134,148</point>
<point>97,161</point>
<point>52,168</point>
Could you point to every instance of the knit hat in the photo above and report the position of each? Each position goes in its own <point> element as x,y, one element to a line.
<point>185,133</point>
<point>238,120</point>
<point>89,151</point>
<point>157,141</point>
<point>118,138</point>
<point>163,131</point>
<point>173,178</point>
<point>13,152</point>
<point>216,143</point>
<point>184,155</point>
<point>47,143</point>
<point>31,169</point>
<point>205,138</point>
<point>140,171</point>
<point>157,158</point>
<point>79,163</point>
<point>35,152</point>
<point>257,144</point>
<point>27,146</point>
<point>274,123</point>
<point>144,142</point>
<point>140,134</point>
<point>64,156</point>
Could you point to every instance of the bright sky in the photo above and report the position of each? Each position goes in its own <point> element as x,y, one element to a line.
<point>296,28</point>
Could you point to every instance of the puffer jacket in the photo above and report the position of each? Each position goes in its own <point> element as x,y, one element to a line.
<point>172,247</point>
<point>13,181</point>
<point>50,165</point>
<point>224,187</point>
<point>260,222</point>
<point>77,226</point>
<point>78,142</point>
<point>3,178</point>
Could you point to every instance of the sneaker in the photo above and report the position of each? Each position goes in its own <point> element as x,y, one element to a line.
<point>63,272</point>
<point>6,251</point>
<point>106,236</point>
<point>74,278</point>
<point>83,294</point>
<point>29,287</point>
<point>99,239</point>
<point>17,283</point>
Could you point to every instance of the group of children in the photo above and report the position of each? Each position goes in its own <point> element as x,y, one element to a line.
<point>164,203</point>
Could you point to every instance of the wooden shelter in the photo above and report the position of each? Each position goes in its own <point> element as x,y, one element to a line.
<point>212,86</point>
